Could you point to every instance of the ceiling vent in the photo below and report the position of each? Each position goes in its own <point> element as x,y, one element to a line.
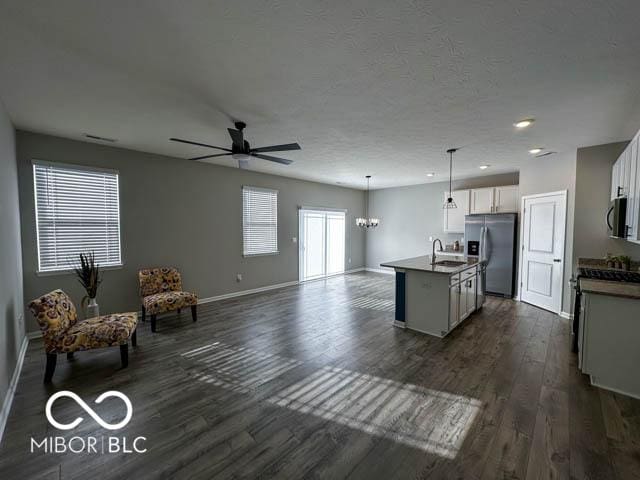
<point>545,154</point>
<point>100,139</point>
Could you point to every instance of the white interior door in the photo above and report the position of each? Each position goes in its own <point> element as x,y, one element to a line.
<point>542,262</point>
<point>322,243</point>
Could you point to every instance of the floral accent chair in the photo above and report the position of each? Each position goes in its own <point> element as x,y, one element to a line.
<point>64,333</point>
<point>161,291</point>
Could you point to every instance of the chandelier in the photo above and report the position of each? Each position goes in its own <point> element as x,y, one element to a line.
<point>366,222</point>
<point>449,203</point>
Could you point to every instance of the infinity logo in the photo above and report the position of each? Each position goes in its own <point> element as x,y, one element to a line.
<point>89,410</point>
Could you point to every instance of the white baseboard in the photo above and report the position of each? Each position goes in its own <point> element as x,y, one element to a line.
<point>276,286</point>
<point>247,292</point>
<point>34,335</point>
<point>380,270</point>
<point>566,315</point>
<point>8,399</point>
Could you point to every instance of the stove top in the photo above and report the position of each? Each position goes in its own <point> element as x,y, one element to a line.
<point>610,275</point>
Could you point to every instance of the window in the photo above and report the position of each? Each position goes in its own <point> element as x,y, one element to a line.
<point>259,221</point>
<point>77,211</point>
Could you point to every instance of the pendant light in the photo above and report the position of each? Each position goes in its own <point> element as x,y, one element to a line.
<point>449,203</point>
<point>366,222</point>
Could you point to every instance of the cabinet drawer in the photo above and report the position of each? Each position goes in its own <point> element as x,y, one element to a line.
<point>468,274</point>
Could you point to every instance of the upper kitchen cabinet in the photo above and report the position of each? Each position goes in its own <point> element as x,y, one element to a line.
<point>625,182</point>
<point>506,199</point>
<point>502,199</point>
<point>454,217</point>
<point>482,200</point>
<point>632,183</point>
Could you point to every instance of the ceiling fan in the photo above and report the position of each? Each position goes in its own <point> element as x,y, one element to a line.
<point>241,150</point>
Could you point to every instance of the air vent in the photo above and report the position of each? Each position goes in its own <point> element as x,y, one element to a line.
<point>545,154</point>
<point>100,139</point>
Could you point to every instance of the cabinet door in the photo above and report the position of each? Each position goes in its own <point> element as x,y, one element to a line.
<point>633,203</point>
<point>454,306</point>
<point>624,173</point>
<point>454,217</point>
<point>470,289</point>
<point>506,199</point>
<point>615,179</point>
<point>482,200</point>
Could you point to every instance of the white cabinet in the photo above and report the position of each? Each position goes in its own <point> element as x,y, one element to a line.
<point>625,182</point>
<point>454,217</point>
<point>454,306</point>
<point>506,199</point>
<point>615,180</point>
<point>633,186</point>
<point>482,200</point>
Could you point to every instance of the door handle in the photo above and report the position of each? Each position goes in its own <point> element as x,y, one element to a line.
<point>557,260</point>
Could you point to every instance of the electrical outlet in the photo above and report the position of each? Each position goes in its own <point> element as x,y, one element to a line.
<point>294,240</point>
<point>239,277</point>
<point>431,239</point>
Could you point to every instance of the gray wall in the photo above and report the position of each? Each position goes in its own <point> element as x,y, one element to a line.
<point>593,187</point>
<point>552,174</point>
<point>180,213</point>
<point>410,215</point>
<point>11,300</point>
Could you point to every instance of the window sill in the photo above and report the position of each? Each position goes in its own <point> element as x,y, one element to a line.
<point>69,271</point>
<point>245,255</point>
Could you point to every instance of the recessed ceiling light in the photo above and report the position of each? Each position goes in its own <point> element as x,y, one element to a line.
<point>484,167</point>
<point>430,174</point>
<point>524,123</point>
<point>535,151</point>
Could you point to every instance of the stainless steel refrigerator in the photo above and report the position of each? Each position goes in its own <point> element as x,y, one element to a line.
<point>492,238</point>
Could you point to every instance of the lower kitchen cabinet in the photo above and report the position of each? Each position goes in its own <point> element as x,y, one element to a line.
<point>609,336</point>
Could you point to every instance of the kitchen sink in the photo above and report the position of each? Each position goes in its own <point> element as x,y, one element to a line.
<point>449,263</point>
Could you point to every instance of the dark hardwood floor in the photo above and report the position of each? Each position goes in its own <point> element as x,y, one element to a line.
<point>313,381</point>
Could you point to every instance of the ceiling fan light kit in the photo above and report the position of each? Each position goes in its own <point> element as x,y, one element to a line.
<point>241,149</point>
<point>449,203</point>
<point>366,221</point>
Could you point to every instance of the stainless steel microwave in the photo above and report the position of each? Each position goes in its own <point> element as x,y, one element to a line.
<point>617,217</point>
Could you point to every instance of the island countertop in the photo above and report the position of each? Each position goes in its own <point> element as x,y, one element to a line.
<point>423,264</point>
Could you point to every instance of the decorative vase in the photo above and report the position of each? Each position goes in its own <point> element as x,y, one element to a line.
<point>93,309</point>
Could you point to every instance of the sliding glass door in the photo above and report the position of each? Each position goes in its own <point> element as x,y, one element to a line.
<point>322,243</point>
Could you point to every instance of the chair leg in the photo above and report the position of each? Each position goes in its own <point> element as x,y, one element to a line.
<point>144,314</point>
<point>194,313</point>
<point>134,338</point>
<point>70,356</point>
<point>124,355</point>
<point>51,367</point>
<point>153,323</point>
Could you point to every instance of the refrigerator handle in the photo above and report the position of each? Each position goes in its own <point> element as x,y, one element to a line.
<point>483,243</point>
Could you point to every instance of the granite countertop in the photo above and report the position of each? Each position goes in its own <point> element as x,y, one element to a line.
<point>615,289</point>
<point>423,264</point>
<point>606,287</point>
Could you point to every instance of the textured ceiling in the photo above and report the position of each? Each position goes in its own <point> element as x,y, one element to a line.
<point>374,87</point>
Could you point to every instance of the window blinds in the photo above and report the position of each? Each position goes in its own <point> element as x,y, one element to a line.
<point>77,211</point>
<point>259,221</point>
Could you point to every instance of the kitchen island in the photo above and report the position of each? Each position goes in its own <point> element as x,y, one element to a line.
<point>434,298</point>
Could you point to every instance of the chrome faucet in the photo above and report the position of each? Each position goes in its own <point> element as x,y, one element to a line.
<point>433,250</point>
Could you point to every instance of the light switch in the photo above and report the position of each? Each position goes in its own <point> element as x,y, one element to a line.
<point>294,240</point>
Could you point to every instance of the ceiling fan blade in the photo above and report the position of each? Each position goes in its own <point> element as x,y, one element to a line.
<point>284,161</point>
<point>237,137</point>
<point>277,148</point>
<point>210,156</point>
<point>242,164</point>
<point>189,142</point>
